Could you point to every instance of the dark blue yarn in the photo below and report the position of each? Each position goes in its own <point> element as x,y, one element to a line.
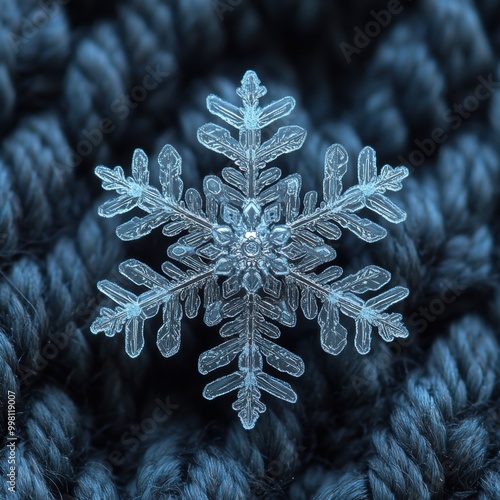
<point>418,419</point>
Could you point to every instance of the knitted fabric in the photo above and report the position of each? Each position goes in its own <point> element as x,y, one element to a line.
<point>85,83</point>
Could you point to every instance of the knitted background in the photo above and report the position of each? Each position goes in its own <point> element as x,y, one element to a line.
<point>85,83</point>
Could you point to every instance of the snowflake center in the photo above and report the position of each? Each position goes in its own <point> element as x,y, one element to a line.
<point>251,245</point>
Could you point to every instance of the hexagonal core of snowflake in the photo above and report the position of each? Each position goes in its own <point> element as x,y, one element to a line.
<point>248,249</point>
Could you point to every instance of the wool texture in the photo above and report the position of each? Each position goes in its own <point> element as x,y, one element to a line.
<point>85,83</point>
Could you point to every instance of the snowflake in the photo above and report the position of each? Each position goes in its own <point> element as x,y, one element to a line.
<point>252,250</point>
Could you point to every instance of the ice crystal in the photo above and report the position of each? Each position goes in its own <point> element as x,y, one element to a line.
<point>252,250</point>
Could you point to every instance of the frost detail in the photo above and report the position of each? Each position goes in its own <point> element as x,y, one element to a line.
<point>249,248</point>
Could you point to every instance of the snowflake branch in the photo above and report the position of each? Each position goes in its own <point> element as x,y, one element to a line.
<point>341,208</point>
<point>342,296</point>
<point>249,346</point>
<point>162,207</point>
<point>133,310</point>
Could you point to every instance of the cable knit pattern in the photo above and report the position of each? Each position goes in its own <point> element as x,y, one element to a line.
<point>82,85</point>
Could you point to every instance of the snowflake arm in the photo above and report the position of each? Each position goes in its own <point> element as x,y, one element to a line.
<point>249,343</point>
<point>342,296</point>
<point>133,310</point>
<point>251,247</point>
<point>162,208</point>
<point>341,207</point>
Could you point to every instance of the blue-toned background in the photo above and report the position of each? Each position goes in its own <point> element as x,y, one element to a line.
<point>85,83</point>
